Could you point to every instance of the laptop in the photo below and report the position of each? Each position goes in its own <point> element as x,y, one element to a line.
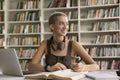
<point>118,72</point>
<point>9,63</point>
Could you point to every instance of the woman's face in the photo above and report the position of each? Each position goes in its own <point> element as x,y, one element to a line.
<point>60,28</point>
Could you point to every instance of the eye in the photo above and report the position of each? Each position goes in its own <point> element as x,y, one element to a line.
<point>61,23</point>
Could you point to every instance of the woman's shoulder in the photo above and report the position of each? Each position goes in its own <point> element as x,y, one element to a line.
<point>43,43</point>
<point>75,43</point>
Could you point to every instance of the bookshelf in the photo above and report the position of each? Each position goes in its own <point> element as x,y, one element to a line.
<point>93,23</point>
<point>23,30</point>
<point>99,31</point>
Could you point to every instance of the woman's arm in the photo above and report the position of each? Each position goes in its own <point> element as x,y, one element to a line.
<point>90,64</point>
<point>35,65</point>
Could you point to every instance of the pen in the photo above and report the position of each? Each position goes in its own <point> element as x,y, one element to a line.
<point>78,60</point>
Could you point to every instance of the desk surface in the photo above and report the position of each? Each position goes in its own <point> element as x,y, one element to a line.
<point>5,77</point>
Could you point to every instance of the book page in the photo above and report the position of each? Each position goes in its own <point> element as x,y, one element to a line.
<point>61,74</point>
<point>67,75</point>
<point>38,75</point>
<point>41,74</point>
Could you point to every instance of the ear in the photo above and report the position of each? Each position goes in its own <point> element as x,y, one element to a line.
<point>51,27</point>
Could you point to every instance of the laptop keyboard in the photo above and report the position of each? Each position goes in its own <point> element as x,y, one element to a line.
<point>27,72</point>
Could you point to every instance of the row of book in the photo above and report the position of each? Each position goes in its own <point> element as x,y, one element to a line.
<point>1,29</point>
<point>103,51</point>
<point>110,64</point>
<point>1,17</point>
<point>100,2</point>
<point>102,13</point>
<point>1,32</point>
<point>24,65</point>
<point>27,28</point>
<point>28,4</point>
<point>102,26</point>
<point>31,40</point>
<point>26,53</point>
<point>93,52</point>
<point>1,4</point>
<point>57,3</point>
<point>72,37</point>
<point>23,40</point>
<point>73,27</point>
<point>62,3</point>
<point>72,14</point>
<point>107,38</point>
<point>27,16</point>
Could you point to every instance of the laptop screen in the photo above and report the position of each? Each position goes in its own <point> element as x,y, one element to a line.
<point>9,63</point>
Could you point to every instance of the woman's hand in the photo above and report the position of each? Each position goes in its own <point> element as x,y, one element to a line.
<point>57,66</point>
<point>78,67</point>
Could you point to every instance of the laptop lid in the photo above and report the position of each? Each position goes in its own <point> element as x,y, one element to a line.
<point>9,63</point>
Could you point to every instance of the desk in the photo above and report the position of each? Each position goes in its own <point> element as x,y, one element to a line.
<point>5,77</point>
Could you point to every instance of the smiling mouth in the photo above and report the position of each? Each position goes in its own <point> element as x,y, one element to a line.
<point>64,31</point>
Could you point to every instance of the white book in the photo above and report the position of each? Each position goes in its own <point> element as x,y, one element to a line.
<point>60,75</point>
<point>101,75</point>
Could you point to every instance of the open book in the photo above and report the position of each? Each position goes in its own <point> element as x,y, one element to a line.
<point>60,75</point>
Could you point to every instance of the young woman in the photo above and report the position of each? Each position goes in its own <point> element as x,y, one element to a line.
<point>60,52</point>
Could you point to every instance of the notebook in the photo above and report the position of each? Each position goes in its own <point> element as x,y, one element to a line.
<point>9,63</point>
<point>108,75</point>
